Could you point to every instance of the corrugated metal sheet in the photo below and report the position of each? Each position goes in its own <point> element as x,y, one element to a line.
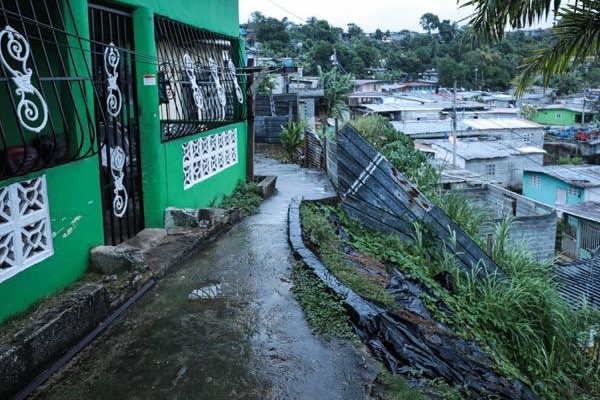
<point>580,281</point>
<point>378,195</point>
<point>583,176</point>
<point>500,123</point>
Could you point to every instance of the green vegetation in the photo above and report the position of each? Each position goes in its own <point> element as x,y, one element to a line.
<point>572,41</point>
<point>324,312</point>
<point>397,388</point>
<point>291,138</point>
<point>520,320</point>
<point>319,231</point>
<point>456,52</point>
<point>570,160</point>
<point>246,197</point>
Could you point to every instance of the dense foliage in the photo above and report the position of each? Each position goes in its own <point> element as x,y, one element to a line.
<point>453,50</point>
<point>521,320</point>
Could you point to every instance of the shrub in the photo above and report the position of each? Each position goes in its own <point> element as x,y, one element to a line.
<point>291,138</point>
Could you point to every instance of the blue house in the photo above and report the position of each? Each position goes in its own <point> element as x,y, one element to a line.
<point>575,192</point>
<point>557,185</point>
<point>580,229</point>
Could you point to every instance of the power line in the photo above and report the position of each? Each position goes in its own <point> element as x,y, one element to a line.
<point>288,11</point>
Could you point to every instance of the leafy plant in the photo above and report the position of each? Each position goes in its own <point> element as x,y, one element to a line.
<point>570,160</point>
<point>291,138</point>
<point>246,197</point>
<point>324,312</point>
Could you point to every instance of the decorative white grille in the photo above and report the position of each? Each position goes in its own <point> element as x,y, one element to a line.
<point>25,234</point>
<point>114,99</point>
<point>32,110</point>
<point>207,156</point>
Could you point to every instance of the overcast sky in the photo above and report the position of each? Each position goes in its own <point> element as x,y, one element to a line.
<point>394,15</point>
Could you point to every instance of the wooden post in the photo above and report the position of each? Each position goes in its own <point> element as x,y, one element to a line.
<point>250,135</point>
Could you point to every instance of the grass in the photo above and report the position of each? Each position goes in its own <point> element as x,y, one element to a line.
<point>319,230</point>
<point>246,197</point>
<point>324,312</point>
<point>520,320</point>
<point>397,388</point>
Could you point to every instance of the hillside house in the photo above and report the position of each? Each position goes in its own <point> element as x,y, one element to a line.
<point>580,229</point>
<point>112,113</point>
<point>563,115</point>
<point>534,223</point>
<point>562,184</point>
<point>517,131</point>
<point>497,161</point>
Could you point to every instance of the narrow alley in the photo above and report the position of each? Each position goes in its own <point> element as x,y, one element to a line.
<point>250,342</point>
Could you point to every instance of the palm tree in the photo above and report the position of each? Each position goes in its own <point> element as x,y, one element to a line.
<point>573,39</point>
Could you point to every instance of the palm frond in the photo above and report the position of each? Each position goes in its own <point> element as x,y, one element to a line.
<point>491,17</point>
<point>573,39</point>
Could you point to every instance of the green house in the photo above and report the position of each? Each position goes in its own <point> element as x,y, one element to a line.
<point>111,112</point>
<point>561,115</point>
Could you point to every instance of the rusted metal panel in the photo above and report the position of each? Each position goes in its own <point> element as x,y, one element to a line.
<point>381,197</point>
<point>313,150</point>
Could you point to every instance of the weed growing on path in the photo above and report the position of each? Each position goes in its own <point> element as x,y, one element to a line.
<point>246,197</point>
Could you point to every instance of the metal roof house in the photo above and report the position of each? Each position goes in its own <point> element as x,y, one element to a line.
<point>112,112</point>
<point>517,130</point>
<point>562,184</point>
<point>497,161</point>
<point>581,229</point>
<point>534,224</point>
<point>563,114</point>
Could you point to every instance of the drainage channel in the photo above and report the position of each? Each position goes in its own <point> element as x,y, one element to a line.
<point>82,344</point>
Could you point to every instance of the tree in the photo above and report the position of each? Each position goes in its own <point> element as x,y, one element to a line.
<point>355,31</point>
<point>430,22</point>
<point>574,37</point>
<point>336,86</point>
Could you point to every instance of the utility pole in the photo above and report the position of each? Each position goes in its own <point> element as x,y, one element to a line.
<point>454,126</point>
<point>583,109</point>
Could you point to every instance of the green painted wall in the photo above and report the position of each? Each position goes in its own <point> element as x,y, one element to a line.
<point>76,220</point>
<point>212,189</point>
<point>555,117</point>
<point>220,16</point>
<point>74,189</point>
<point>560,117</point>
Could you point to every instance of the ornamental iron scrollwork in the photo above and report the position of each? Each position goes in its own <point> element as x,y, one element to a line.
<point>232,74</point>
<point>189,66</point>
<point>32,110</point>
<point>120,200</point>
<point>114,99</point>
<point>221,96</point>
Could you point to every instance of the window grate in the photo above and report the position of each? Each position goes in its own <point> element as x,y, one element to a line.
<point>45,86</point>
<point>25,234</point>
<point>198,81</point>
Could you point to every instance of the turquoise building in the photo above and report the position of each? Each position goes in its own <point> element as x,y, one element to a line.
<point>562,184</point>
<point>575,192</point>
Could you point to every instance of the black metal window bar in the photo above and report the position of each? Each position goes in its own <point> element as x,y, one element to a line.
<point>200,85</point>
<point>45,88</point>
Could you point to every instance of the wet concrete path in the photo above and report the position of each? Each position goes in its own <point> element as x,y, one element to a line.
<point>250,343</point>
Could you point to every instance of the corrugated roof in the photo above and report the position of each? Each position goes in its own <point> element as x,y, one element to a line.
<point>462,125</point>
<point>473,150</point>
<point>583,176</point>
<point>501,123</point>
<point>580,281</point>
<point>589,210</point>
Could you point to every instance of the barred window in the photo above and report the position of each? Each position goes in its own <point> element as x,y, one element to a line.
<point>573,191</point>
<point>199,85</point>
<point>45,87</point>
<point>535,181</point>
<point>490,169</point>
